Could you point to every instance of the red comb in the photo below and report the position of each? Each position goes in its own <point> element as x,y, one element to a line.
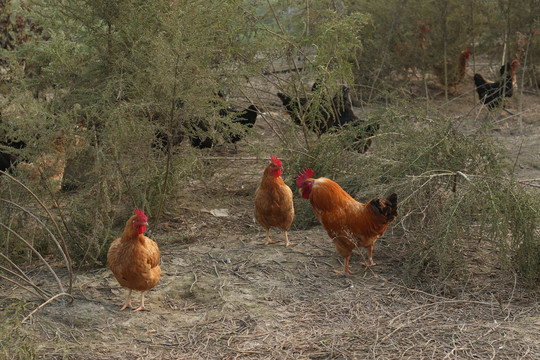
<point>424,26</point>
<point>302,177</point>
<point>141,215</point>
<point>275,160</point>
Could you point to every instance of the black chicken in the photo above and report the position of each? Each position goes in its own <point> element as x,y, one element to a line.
<point>246,118</point>
<point>492,93</point>
<point>332,114</point>
<point>8,150</point>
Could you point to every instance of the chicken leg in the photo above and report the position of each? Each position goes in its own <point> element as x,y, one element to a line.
<point>346,269</point>
<point>287,243</point>
<point>268,241</point>
<point>128,301</point>
<point>141,308</point>
<point>370,257</point>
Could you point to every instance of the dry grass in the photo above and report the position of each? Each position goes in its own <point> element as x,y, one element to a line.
<point>225,295</point>
<point>236,298</point>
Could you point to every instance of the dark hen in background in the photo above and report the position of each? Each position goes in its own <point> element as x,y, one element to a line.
<point>246,118</point>
<point>492,94</point>
<point>7,156</point>
<point>333,114</point>
<point>9,148</point>
<point>200,136</point>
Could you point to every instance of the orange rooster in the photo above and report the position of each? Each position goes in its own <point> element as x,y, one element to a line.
<point>134,259</point>
<point>274,201</point>
<point>349,223</point>
<point>455,72</point>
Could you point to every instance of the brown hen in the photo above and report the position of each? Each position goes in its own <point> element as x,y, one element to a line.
<point>274,201</point>
<point>455,71</point>
<point>134,259</point>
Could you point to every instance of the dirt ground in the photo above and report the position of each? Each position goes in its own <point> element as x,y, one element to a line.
<point>225,295</point>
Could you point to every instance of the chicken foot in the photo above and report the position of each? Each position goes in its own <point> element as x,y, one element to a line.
<point>142,307</point>
<point>346,269</point>
<point>127,303</point>
<point>287,243</point>
<point>268,241</point>
<point>370,258</point>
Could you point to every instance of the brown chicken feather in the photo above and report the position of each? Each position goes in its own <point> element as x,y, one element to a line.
<point>455,72</point>
<point>134,259</point>
<point>349,223</point>
<point>274,201</point>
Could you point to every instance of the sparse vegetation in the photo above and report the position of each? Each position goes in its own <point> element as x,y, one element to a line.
<point>14,343</point>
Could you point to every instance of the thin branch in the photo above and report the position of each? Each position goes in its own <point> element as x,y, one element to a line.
<point>22,276</point>
<point>37,254</point>
<point>194,281</point>
<point>22,287</point>
<point>522,82</point>
<point>45,227</point>
<point>45,303</point>
<point>169,143</point>
<point>70,266</point>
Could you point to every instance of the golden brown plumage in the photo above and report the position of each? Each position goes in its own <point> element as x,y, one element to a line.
<point>47,166</point>
<point>455,71</point>
<point>134,259</point>
<point>274,201</point>
<point>349,223</point>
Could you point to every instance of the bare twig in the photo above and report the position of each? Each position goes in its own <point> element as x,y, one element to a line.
<point>44,304</point>
<point>64,245</point>
<point>22,276</point>
<point>194,281</point>
<point>60,286</point>
<point>44,226</point>
<point>30,290</point>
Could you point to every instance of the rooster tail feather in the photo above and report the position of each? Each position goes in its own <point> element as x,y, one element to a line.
<point>479,80</point>
<point>392,199</point>
<point>392,209</point>
<point>387,208</point>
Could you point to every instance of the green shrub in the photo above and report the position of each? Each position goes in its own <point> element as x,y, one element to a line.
<point>453,187</point>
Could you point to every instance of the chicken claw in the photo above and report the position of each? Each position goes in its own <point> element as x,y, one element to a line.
<point>346,271</point>
<point>287,243</point>
<point>268,241</point>
<point>142,307</point>
<point>128,302</point>
<point>369,264</point>
<point>370,258</point>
